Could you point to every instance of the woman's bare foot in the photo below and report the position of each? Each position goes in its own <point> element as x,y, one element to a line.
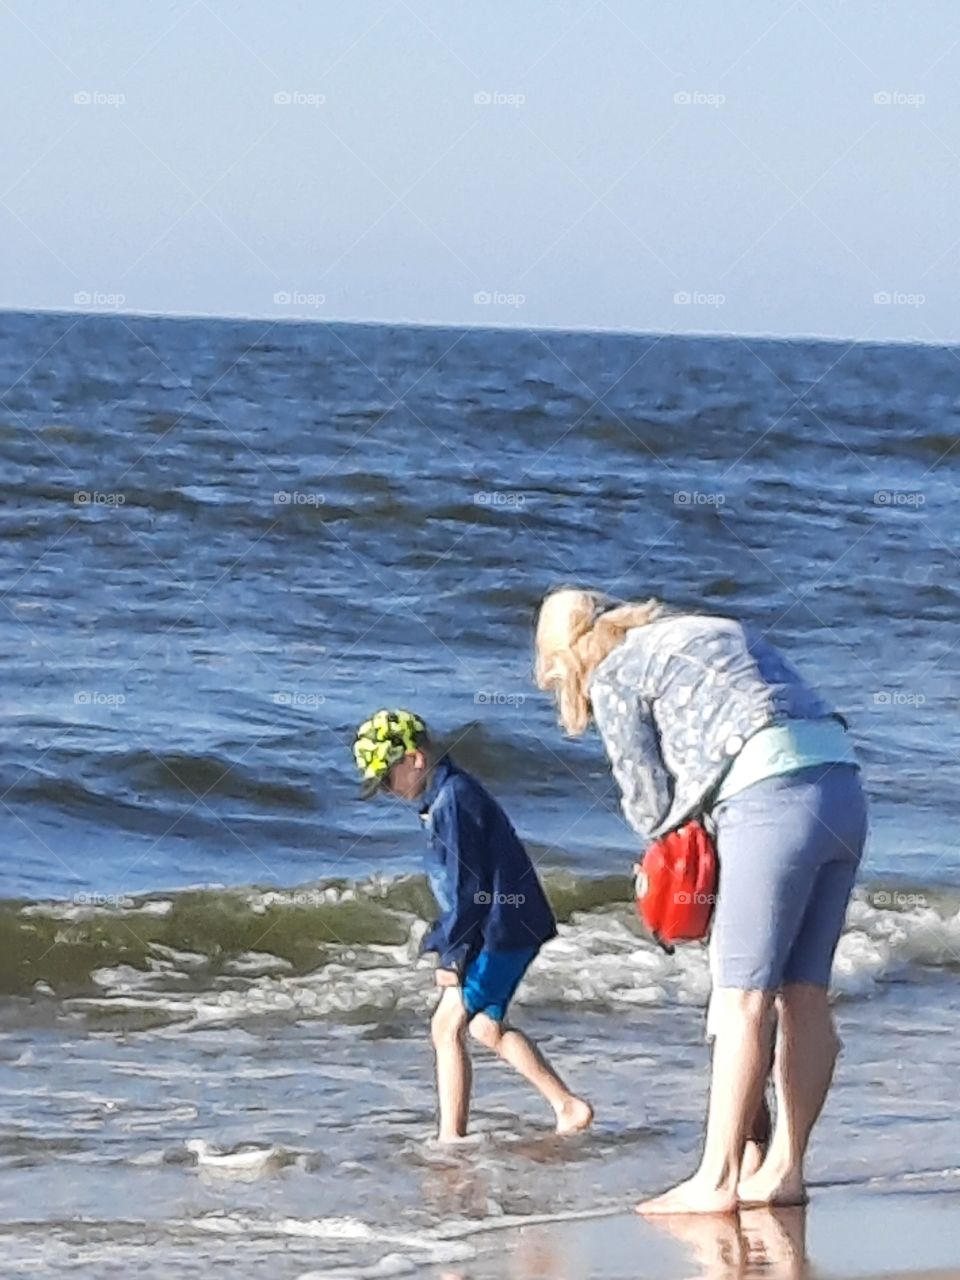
<point>775,1188</point>
<point>574,1116</point>
<point>696,1195</point>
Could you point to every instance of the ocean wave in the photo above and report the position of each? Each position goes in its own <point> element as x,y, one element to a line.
<point>347,950</point>
<point>136,778</point>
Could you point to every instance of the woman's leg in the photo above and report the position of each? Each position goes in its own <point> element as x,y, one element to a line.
<point>774,840</point>
<point>741,1060</point>
<point>761,1127</point>
<point>807,1049</point>
<point>807,1045</point>
<point>758,1137</point>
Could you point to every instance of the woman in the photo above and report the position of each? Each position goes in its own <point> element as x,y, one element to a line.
<point>700,716</point>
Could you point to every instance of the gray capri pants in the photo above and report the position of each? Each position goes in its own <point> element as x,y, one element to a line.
<point>789,850</point>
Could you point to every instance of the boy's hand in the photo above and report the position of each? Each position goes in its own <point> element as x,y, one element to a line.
<point>448,978</point>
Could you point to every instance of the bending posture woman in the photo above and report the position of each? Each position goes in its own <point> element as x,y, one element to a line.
<point>698,715</point>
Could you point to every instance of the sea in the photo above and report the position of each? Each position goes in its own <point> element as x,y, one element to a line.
<point>223,543</point>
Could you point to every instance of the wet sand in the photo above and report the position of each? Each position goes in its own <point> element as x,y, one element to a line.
<point>842,1235</point>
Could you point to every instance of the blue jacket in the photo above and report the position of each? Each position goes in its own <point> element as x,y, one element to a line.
<point>488,893</point>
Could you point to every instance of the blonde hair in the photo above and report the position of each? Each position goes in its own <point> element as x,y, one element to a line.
<point>575,631</point>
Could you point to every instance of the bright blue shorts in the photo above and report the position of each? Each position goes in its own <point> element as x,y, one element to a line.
<point>491,979</point>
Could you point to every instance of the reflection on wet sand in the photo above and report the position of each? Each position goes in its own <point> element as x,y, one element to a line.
<point>752,1243</point>
<point>870,1236</point>
<point>767,1243</point>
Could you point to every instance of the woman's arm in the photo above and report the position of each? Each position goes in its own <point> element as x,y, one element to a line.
<point>632,744</point>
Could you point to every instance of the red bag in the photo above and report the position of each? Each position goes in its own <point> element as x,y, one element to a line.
<point>676,885</point>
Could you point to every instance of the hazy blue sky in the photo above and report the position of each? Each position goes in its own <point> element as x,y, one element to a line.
<point>808,170</point>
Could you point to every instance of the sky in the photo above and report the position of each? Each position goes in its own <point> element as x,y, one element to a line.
<point>750,166</point>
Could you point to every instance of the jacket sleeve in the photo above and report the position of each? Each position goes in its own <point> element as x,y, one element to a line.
<point>632,744</point>
<point>459,842</point>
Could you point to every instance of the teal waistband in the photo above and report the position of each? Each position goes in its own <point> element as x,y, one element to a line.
<point>781,748</point>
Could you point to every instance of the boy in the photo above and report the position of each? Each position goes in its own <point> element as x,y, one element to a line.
<point>494,914</point>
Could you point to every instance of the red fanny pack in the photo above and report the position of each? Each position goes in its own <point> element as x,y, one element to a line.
<point>676,885</point>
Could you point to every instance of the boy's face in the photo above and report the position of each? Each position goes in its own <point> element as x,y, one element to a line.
<point>408,777</point>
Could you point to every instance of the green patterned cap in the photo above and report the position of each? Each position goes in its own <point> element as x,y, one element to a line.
<point>383,740</point>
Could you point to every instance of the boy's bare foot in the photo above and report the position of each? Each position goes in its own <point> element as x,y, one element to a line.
<point>574,1116</point>
<point>693,1196</point>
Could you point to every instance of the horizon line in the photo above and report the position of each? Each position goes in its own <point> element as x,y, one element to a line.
<point>253,318</point>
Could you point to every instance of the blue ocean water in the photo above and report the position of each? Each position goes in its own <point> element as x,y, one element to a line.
<point>222,543</point>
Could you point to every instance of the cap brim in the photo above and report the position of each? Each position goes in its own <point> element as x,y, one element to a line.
<point>369,787</point>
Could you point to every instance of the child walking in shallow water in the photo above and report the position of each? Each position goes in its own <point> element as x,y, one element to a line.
<point>494,915</point>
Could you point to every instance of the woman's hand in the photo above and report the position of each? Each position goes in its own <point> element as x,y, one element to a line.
<point>448,978</point>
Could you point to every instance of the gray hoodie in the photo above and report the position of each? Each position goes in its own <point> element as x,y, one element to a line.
<point>677,700</point>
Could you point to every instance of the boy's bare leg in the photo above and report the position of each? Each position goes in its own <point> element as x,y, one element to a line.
<point>573,1114</point>
<point>454,1075</point>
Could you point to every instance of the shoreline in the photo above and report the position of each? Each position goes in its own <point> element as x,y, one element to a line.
<point>866,1234</point>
